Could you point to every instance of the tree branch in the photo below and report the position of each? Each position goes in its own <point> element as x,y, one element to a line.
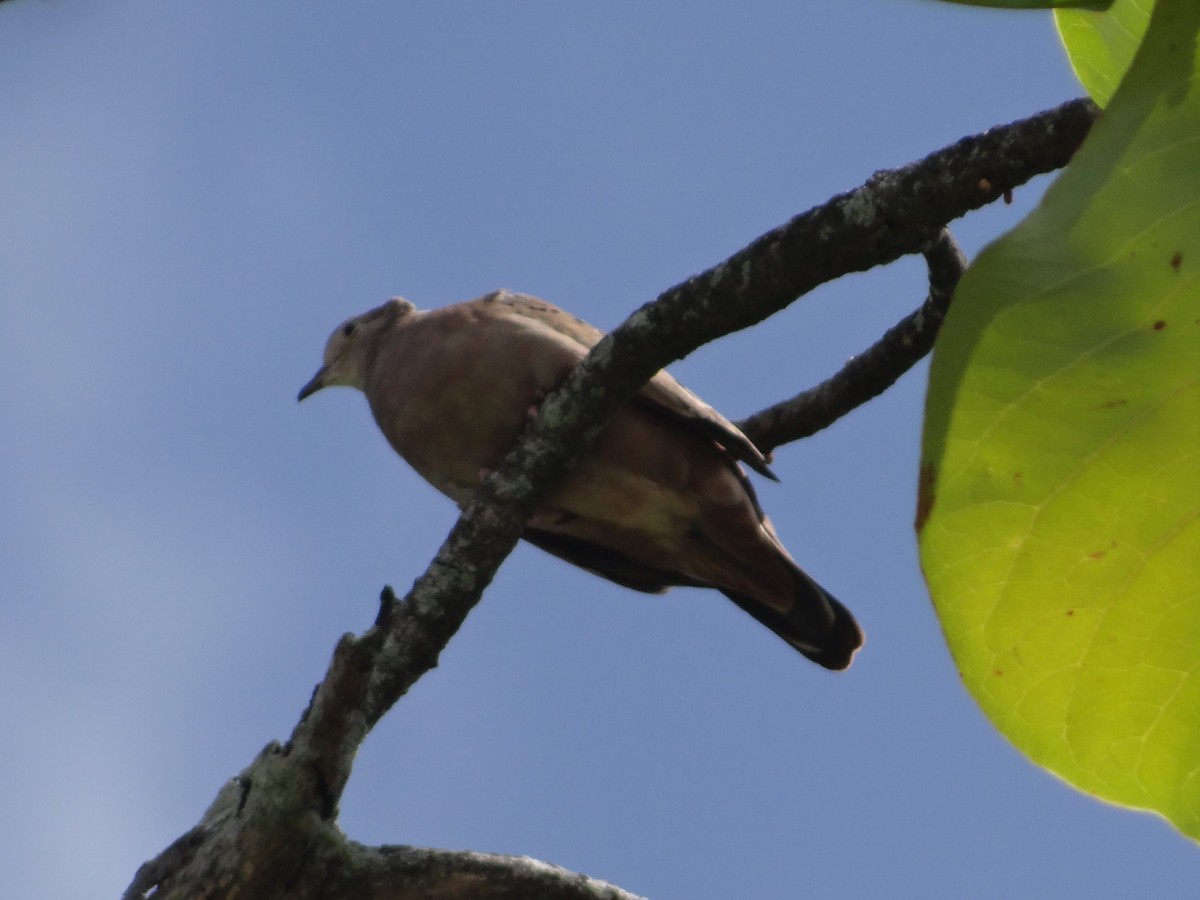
<point>874,370</point>
<point>271,831</point>
<point>414,873</point>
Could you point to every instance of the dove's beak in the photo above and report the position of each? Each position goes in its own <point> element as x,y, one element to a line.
<point>318,382</point>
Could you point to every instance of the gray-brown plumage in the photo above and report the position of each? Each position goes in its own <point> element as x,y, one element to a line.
<point>659,501</point>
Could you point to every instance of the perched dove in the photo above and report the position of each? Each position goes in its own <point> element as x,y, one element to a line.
<point>659,501</point>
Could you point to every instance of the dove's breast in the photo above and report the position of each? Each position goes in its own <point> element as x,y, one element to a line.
<point>451,392</point>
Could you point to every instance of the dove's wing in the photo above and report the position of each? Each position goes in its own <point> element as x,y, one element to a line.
<point>662,392</point>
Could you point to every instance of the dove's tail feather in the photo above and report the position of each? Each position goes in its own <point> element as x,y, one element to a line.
<point>817,624</point>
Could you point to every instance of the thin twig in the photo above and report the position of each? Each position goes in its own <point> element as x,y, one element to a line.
<point>874,370</point>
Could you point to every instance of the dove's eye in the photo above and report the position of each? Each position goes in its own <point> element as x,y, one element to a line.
<point>348,329</point>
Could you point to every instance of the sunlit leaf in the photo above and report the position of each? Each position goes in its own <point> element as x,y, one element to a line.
<point>1060,514</point>
<point>1101,45</point>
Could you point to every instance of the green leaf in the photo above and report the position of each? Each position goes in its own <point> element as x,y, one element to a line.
<point>1100,46</point>
<point>1060,495</point>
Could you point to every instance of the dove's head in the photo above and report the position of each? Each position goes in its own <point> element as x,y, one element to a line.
<point>350,348</point>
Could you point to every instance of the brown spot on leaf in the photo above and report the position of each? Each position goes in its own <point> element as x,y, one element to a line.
<point>1113,404</point>
<point>1176,260</point>
<point>1070,612</point>
<point>1098,554</point>
<point>1160,324</point>
<point>998,672</point>
<point>1018,477</point>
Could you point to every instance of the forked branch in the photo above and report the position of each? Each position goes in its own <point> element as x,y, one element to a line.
<point>271,832</point>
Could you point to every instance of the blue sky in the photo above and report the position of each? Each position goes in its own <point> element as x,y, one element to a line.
<point>193,195</point>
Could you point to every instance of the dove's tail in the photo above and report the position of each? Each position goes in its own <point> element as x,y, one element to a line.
<point>817,624</point>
